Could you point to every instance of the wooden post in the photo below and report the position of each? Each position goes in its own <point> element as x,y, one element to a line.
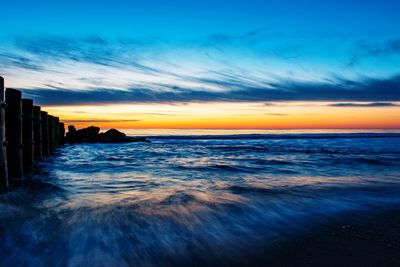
<point>56,132</point>
<point>27,134</point>
<point>45,134</point>
<point>3,150</point>
<point>14,134</point>
<point>62,133</point>
<point>51,130</point>
<point>37,132</point>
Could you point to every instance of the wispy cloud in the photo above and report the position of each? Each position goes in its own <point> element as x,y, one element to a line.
<point>276,114</point>
<point>369,49</point>
<point>8,59</point>
<point>92,50</point>
<point>284,90</point>
<point>264,40</point>
<point>373,104</point>
<point>94,69</point>
<point>97,121</point>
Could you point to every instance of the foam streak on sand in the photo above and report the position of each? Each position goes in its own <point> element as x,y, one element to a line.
<point>180,201</point>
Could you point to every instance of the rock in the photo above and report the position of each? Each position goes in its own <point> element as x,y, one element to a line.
<point>79,136</point>
<point>114,136</point>
<point>92,135</point>
<point>93,131</point>
<point>71,129</point>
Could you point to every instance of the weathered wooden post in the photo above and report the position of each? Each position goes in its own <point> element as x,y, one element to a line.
<point>14,134</point>
<point>51,133</point>
<point>37,132</point>
<point>56,132</point>
<point>45,134</point>
<point>62,133</point>
<point>27,135</point>
<point>3,148</point>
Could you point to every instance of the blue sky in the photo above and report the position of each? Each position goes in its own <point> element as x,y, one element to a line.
<point>202,50</point>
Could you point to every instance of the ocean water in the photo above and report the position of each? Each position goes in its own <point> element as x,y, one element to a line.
<point>192,200</point>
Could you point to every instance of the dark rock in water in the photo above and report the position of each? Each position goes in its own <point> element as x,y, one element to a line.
<point>93,131</point>
<point>114,136</point>
<point>71,129</point>
<point>92,135</point>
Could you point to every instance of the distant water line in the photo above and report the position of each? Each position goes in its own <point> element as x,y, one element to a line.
<point>220,132</point>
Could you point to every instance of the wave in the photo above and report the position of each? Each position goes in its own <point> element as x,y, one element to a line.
<point>191,199</point>
<point>219,167</point>
<point>365,161</point>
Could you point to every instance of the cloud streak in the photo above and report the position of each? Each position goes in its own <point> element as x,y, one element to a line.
<point>91,70</point>
<point>373,104</point>
<point>40,53</point>
<point>372,50</point>
<point>365,90</point>
<point>97,121</point>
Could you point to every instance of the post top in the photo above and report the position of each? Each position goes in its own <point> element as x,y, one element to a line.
<point>13,92</point>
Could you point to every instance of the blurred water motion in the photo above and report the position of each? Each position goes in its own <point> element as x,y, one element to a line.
<point>181,201</point>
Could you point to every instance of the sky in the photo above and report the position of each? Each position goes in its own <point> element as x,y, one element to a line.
<point>207,64</point>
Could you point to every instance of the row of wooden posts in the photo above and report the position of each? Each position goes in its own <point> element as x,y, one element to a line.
<point>26,135</point>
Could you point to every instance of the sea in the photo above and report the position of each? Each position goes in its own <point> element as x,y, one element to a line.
<point>193,198</point>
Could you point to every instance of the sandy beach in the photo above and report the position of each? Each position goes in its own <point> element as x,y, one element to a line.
<point>354,239</point>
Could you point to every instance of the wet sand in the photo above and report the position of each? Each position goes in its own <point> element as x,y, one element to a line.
<point>357,239</point>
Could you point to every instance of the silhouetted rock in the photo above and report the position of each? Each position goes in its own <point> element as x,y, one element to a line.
<point>114,136</point>
<point>93,131</point>
<point>92,135</point>
<point>71,129</point>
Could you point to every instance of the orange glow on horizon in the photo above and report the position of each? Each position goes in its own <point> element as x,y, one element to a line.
<point>285,115</point>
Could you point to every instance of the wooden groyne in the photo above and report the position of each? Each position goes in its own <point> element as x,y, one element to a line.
<point>3,142</point>
<point>26,135</point>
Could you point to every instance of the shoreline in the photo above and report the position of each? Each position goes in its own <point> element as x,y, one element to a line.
<point>365,238</point>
